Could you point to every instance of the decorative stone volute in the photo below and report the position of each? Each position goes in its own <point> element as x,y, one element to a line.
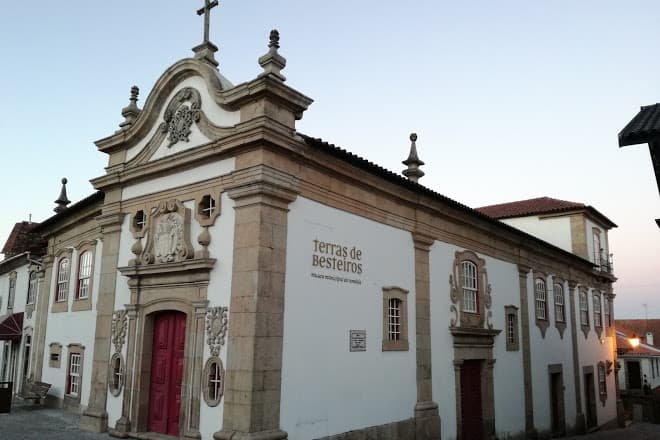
<point>131,111</point>
<point>273,62</point>
<point>413,172</point>
<point>62,200</point>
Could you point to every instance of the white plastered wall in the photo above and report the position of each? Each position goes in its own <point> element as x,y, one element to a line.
<point>550,350</point>
<point>72,328</point>
<point>326,389</point>
<point>507,370</point>
<point>592,350</point>
<point>554,230</point>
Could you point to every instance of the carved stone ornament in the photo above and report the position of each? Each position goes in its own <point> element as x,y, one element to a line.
<point>168,238</point>
<point>482,316</point>
<point>119,328</point>
<point>216,328</point>
<point>179,117</point>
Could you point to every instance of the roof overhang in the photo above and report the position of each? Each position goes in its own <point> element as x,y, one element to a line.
<point>11,327</point>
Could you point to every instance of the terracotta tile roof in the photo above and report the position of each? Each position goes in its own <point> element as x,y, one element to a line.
<point>540,205</point>
<point>640,327</point>
<point>21,239</point>
<point>623,334</point>
<point>645,126</point>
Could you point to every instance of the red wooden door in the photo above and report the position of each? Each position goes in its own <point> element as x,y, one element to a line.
<point>166,372</point>
<point>472,422</point>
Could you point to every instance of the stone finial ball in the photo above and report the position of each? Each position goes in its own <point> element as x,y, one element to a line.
<point>413,137</point>
<point>64,181</point>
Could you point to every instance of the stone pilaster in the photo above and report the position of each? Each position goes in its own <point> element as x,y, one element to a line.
<point>254,349</point>
<point>197,359</point>
<point>427,418</point>
<point>580,422</point>
<point>124,424</point>
<point>530,430</point>
<point>41,318</point>
<point>95,417</point>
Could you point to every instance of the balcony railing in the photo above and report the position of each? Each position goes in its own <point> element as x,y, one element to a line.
<point>603,262</point>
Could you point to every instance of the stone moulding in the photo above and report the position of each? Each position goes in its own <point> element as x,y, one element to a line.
<point>484,315</point>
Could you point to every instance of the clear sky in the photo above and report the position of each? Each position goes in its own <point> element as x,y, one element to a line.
<point>510,99</point>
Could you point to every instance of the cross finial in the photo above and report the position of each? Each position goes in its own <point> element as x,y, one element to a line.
<point>206,10</point>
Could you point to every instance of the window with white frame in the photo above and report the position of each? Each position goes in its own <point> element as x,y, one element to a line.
<point>73,387</point>
<point>84,275</point>
<point>560,310</point>
<point>62,280</point>
<point>598,322</point>
<point>394,319</point>
<point>584,309</point>
<point>470,287</point>
<point>541,299</point>
<point>32,288</point>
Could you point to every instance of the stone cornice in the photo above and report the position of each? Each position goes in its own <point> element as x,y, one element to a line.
<point>252,183</point>
<point>179,273</point>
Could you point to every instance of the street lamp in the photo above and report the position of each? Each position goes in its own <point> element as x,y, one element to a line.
<point>634,341</point>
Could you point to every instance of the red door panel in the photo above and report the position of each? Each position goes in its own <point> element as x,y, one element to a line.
<point>167,372</point>
<point>471,411</point>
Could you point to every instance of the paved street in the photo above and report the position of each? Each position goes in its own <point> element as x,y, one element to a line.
<point>32,422</point>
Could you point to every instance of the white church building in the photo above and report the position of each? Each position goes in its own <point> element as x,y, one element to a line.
<point>233,278</point>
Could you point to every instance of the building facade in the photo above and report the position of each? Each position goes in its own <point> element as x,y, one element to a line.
<point>233,278</point>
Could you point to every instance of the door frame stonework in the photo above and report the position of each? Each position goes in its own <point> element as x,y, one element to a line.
<point>476,344</point>
<point>180,287</point>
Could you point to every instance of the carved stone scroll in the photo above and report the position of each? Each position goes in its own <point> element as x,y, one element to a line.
<point>119,328</point>
<point>216,328</point>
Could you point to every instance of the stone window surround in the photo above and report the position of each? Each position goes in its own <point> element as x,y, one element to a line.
<point>216,194</point>
<point>560,325</point>
<point>598,327</point>
<point>602,367</point>
<point>62,305</point>
<point>213,360</point>
<point>584,326</point>
<point>515,344</point>
<point>74,348</point>
<point>116,391</point>
<point>391,292</point>
<point>467,319</point>
<point>80,304</point>
<point>55,349</point>
<point>541,323</point>
<point>32,276</point>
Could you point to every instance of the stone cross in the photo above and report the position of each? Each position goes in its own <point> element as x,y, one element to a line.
<point>206,10</point>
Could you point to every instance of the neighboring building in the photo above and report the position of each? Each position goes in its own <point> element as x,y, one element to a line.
<point>640,365</point>
<point>572,226</point>
<point>19,284</point>
<point>249,281</point>
<point>644,128</point>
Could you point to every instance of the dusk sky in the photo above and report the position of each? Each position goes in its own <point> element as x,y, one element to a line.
<point>510,99</point>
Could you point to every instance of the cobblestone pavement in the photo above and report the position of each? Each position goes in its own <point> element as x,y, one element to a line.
<point>28,421</point>
<point>31,422</point>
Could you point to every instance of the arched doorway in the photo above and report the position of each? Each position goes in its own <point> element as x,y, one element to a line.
<point>167,357</point>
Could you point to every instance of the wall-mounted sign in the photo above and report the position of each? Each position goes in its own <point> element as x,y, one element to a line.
<point>358,340</point>
<point>336,262</point>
